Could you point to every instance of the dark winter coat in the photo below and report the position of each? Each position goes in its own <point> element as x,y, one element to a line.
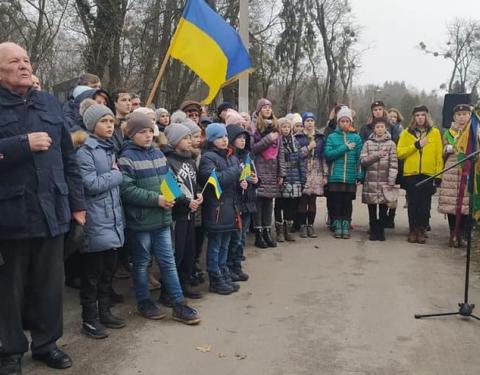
<point>345,163</point>
<point>143,171</point>
<point>219,215</point>
<point>185,170</point>
<point>246,198</point>
<point>379,171</point>
<point>38,190</point>
<point>295,175</point>
<point>315,164</point>
<point>267,169</point>
<point>104,227</point>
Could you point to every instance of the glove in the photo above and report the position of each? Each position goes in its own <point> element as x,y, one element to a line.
<point>438,182</point>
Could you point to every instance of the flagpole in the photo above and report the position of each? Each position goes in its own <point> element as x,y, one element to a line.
<point>158,79</point>
<point>244,79</point>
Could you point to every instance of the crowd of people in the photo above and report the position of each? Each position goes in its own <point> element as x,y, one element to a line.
<point>85,181</point>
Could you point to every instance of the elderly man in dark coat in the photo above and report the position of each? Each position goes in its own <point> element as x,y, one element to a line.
<point>40,193</point>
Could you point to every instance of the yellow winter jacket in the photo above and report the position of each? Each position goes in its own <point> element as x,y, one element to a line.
<point>427,161</point>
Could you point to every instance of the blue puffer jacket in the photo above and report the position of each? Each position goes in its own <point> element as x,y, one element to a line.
<point>219,215</point>
<point>104,226</point>
<point>345,167</point>
<point>38,190</point>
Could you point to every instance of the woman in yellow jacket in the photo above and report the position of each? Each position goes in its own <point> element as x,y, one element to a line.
<point>420,146</point>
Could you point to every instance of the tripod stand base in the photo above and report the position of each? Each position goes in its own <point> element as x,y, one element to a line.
<point>465,309</point>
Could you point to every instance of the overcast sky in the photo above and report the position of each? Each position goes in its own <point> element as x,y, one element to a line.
<point>393,28</point>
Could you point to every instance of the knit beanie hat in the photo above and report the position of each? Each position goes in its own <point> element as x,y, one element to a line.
<point>295,118</point>
<point>345,112</point>
<point>261,103</point>
<point>215,130</point>
<point>194,128</point>
<point>307,115</point>
<point>285,120</point>
<point>80,90</point>
<point>159,112</point>
<point>137,122</point>
<point>93,114</point>
<point>175,133</point>
<point>178,117</point>
<point>233,117</point>
<point>225,105</point>
<point>146,111</point>
<point>84,104</point>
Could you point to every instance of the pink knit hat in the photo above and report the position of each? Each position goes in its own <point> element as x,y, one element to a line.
<point>261,103</point>
<point>233,117</point>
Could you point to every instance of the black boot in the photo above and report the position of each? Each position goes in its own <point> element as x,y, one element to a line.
<point>218,284</point>
<point>267,236</point>
<point>238,272</point>
<point>107,318</point>
<point>11,365</point>
<point>380,231</point>
<point>259,240</point>
<point>373,231</point>
<point>188,290</point>
<point>91,326</point>
<point>227,277</point>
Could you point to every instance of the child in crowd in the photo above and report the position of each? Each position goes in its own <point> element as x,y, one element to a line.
<point>162,119</point>
<point>219,214</point>
<point>378,110</point>
<point>239,140</point>
<point>179,158</point>
<point>149,218</point>
<point>312,145</point>
<point>342,149</point>
<point>104,221</point>
<point>379,160</point>
<point>293,181</point>
<point>266,145</point>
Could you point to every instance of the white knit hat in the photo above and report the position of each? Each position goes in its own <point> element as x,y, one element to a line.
<point>345,112</point>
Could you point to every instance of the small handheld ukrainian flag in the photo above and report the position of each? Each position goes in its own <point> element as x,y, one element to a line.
<point>169,187</point>
<point>209,46</point>
<point>213,180</point>
<point>247,170</point>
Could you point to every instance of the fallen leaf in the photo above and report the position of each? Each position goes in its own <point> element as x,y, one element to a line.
<point>222,355</point>
<point>204,348</point>
<point>240,356</point>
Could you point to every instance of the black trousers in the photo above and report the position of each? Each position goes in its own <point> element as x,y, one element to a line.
<point>419,201</point>
<point>185,247</point>
<point>263,217</point>
<point>382,213</point>
<point>97,274</point>
<point>341,205</point>
<point>31,294</point>
<point>285,209</point>
<point>463,223</point>
<point>307,209</point>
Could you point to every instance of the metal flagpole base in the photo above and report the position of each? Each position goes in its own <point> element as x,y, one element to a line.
<point>465,310</point>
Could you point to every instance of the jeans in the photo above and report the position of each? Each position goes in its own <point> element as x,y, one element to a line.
<point>217,251</point>
<point>159,243</point>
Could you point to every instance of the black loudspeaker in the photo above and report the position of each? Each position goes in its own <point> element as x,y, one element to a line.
<point>449,102</point>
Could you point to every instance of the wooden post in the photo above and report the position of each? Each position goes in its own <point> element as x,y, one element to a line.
<point>244,79</point>
<point>158,79</point>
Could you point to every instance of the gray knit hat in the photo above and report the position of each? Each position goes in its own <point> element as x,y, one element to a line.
<point>137,122</point>
<point>194,128</point>
<point>93,114</point>
<point>175,133</point>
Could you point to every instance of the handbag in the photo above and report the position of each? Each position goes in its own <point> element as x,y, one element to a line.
<point>391,193</point>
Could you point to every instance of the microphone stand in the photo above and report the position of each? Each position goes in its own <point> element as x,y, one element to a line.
<point>465,308</point>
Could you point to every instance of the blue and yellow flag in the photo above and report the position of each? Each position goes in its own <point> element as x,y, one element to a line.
<point>247,170</point>
<point>213,180</point>
<point>169,187</point>
<point>209,46</point>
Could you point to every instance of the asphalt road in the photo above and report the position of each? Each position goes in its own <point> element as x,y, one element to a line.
<point>318,306</point>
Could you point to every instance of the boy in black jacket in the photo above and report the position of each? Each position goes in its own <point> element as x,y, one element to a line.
<point>181,162</point>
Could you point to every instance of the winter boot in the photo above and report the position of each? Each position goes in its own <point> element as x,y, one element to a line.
<point>421,236</point>
<point>412,236</point>
<point>185,314</point>
<point>218,284</point>
<point>107,318</point>
<point>288,231</point>
<point>303,231</point>
<point>345,229</point>
<point>11,365</point>
<point>227,277</point>
<point>337,227</point>
<point>237,270</point>
<point>259,240</point>
<point>267,236</point>
<point>311,232</point>
<point>280,231</point>
<point>373,231</point>
<point>380,231</point>
<point>91,326</point>
<point>390,220</point>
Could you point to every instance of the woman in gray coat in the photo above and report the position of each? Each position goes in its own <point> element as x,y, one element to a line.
<point>379,161</point>
<point>104,221</point>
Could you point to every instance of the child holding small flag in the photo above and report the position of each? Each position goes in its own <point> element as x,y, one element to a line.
<point>220,171</point>
<point>149,216</point>
<point>179,159</point>
<point>239,140</point>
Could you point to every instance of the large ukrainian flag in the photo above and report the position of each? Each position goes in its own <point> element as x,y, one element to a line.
<point>209,46</point>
